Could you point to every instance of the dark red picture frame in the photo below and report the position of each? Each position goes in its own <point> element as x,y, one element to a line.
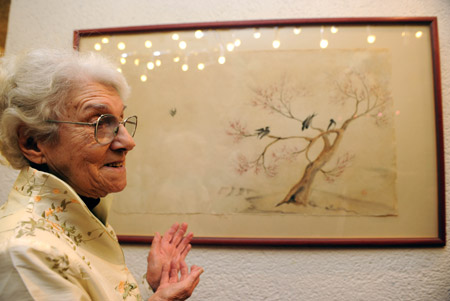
<point>430,22</point>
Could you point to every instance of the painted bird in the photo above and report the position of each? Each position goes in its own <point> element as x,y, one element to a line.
<point>307,122</point>
<point>332,123</point>
<point>262,132</point>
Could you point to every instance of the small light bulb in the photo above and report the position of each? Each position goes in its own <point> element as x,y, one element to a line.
<point>221,60</point>
<point>419,34</point>
<point>150,65</point>
<point>105,40</point>
<point>123,60</point>
<point>136,62</point>
<point>201,66</point>
<point>237,42</point>
<point>119,70</point>
<point>323,43</point>
<point>176,59</point>
<point>148,44</point>
<point>158,63</point>
<point>334,29</point>
<point>276,44</point>
<point>199,34</point>
<point>175,37</point>
<point>185,67</point>
<point>121,46</point>
<point>371,39</point>
<point>143,78</point>
<point>230,47</point>
<point>182,45</point>
<point>297,30</point>
<point>98,46</point>
<point>256,34</point>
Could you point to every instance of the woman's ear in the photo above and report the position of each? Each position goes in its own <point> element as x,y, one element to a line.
<point>30,147</point>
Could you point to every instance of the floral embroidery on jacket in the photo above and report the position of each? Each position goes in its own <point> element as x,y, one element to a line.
<point>28,228</point>
<point>60,264</point>
<point>54,212</point>
<point>126,290</point>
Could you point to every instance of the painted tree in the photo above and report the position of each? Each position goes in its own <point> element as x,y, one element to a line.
<point>362,94</point>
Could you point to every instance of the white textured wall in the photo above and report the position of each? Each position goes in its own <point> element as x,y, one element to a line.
<point>234,273</point>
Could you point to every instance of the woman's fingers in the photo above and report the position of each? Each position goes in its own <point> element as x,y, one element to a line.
<point>155,247</point>
<point>195,274</point>
<point>175,235</point>
<point>186,240</point>
<point>185,251</point>
<point>167,237</point>
<point>174,289</point>
<point>156,242</point>
<point>165,274</point>
<point>179,234</point>
<point>173,276</point>
<point>196,270</point>
<point>170,272</point>
<point>184,270</point>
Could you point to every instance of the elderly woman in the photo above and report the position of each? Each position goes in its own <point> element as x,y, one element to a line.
<point>63,124</point>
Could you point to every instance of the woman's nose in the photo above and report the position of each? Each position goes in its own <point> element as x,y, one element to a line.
<point>123,140</point>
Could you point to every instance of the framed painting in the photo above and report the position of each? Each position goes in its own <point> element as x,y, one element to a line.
<point>282,132</point>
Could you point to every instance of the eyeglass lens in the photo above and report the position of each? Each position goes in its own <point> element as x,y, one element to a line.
<point>108,126</point>
<point>131,124</point>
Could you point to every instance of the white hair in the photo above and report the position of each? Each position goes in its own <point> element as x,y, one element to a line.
<point>35,87</point>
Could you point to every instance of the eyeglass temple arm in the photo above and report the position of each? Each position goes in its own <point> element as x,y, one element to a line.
<point>72,122</point>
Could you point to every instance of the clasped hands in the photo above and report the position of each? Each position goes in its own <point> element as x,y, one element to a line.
<point>167,272</point>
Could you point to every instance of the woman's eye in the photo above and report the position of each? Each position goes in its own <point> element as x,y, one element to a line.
<point>94,118</point>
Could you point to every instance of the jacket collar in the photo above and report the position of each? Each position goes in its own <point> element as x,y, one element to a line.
<point>60,208</point>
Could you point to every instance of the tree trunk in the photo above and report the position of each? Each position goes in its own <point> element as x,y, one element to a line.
<point>299,193</point>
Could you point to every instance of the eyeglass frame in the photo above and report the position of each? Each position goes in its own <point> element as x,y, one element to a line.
<point>115,131</point>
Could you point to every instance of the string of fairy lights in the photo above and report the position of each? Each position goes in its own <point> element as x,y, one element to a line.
<point>182,41</point>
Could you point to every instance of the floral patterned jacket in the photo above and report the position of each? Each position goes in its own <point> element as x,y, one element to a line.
<point>53,248</point>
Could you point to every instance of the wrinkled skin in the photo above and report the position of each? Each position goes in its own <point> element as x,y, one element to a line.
<point>77,158</point>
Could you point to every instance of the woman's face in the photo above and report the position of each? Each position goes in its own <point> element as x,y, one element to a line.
<point>93,170</point>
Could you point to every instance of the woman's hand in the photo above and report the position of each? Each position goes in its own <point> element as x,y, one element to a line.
<point>171,287</point>
<point>172,248</point>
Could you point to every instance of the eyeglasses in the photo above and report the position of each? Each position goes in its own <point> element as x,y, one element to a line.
<point>107,127</point>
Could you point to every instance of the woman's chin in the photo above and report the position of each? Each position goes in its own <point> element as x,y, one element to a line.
<point>112,182</point>
<point>120,185</point>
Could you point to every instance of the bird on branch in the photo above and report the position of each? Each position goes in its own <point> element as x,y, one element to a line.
<point>262,132</point>
<point>332,123</point>
<point>307,122</point>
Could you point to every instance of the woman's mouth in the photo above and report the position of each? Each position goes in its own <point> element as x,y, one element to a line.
<point>114,164</point>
